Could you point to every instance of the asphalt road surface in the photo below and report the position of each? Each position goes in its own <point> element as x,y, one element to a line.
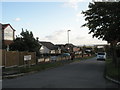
<point>82,74</point>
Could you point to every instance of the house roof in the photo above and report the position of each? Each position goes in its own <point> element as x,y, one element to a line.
<point>49,45</point>
<point>64,45</point>
<point>5,26</point>
<point>61,46</point>
<point>69,45</point>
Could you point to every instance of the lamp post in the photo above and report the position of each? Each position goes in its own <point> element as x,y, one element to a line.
<point>68,35</point>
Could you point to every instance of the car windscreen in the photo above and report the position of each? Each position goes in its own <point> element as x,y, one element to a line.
<point>101,53</point>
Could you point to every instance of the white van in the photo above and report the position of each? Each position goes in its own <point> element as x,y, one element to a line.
<point>101,55</point>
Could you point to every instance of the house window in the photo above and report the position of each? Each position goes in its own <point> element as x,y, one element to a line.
<point>52,51</point>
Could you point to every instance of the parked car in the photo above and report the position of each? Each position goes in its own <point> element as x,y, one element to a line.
<point>65,54</point>
<point>101,55</point>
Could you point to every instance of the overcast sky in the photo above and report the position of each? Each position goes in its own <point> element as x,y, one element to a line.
<point>50,20</point>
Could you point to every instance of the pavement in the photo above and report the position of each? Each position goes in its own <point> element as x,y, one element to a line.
<point>83,74</point>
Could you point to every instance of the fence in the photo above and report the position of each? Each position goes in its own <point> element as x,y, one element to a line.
<point>53,58</point>
<point>59,58</point>
<point>15,58</point>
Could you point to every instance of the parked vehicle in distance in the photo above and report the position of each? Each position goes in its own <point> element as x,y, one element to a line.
<point>101,55</point>
<point>65,54</point>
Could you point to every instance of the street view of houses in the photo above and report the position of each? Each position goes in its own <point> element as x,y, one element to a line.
<point>72,44</point>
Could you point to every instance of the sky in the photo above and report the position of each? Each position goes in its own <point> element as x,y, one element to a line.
<point>50,20</point>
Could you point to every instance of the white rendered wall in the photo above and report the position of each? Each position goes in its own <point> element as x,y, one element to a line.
<point>8,33</point>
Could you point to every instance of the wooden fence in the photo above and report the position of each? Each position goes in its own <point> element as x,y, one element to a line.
<point>15,58</point>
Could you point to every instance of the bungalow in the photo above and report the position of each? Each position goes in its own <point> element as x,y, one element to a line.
<point>7,35</point>
<point>68,48</point>
<point>49,48</point>
<point>100,47</point>
<point>76,49</point>
<point>62,47</point>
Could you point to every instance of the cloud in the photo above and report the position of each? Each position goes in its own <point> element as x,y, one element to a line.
<point>57,37</point>
<point>72,4</point>
<point>75,5</point>
<point>17,19</point>
<point>78,36</point>
<point>80,17</point>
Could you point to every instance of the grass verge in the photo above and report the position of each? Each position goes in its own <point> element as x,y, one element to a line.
<point>112,70</point>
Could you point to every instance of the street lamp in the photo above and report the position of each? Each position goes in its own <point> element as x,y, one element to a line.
<point>68,35</point>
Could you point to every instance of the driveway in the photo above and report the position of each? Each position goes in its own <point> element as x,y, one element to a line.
<point>83,74</point>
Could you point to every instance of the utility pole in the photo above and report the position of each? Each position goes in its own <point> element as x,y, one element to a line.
<point>68,35</point>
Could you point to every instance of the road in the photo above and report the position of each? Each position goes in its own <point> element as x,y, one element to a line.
<point>83,74</point>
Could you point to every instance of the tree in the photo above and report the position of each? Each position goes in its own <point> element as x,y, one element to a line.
<point>103,20</point>
<point>26,42</point>
<point>18,45</point>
